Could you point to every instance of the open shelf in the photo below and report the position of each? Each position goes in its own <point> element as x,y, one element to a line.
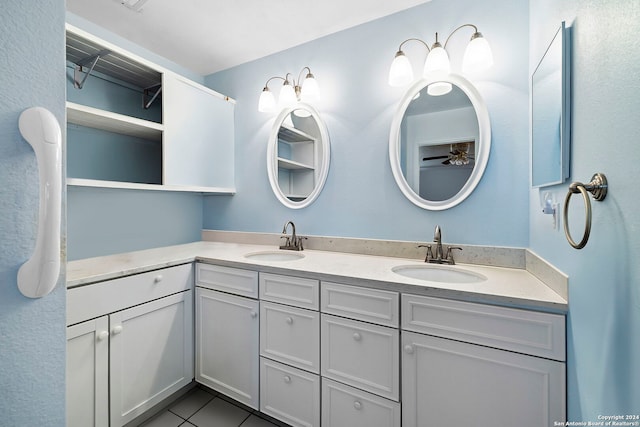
<point>291,165</point>
<point>79,182</point>
<point>113,122</point>
<point>114,63</point>
<point>292,135</point>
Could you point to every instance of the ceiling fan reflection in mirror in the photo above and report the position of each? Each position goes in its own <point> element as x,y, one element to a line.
<point>458,155</point>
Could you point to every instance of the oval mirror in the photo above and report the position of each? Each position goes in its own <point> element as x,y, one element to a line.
<point>439,145</point>
<point>298,156</point>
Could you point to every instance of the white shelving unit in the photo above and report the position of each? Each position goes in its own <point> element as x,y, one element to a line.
<point>189,146</point>
<point>297,166</point>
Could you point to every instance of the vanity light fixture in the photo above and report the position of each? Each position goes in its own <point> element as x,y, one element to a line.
<point>292,91</point>
<point>477,56</point>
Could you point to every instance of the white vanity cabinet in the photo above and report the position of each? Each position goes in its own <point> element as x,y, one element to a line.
<point>227,331</point>
<point>360,361</point>
<point>290,349</point>
<point>466,363</point>
<point>133,124</point>
<point>136,349</point>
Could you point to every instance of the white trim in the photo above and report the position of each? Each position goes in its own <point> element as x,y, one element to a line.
<point>483,145</point>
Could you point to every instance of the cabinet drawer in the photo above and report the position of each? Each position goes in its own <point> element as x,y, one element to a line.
<point>290,335</point>
<point>347,406</point>
<point>289,394</point>
<point>370,305</point>
<point>98,299</point>
<point>522,331</point>
<point>361,354</point>
<point>289,290</point>
<point>227,279</point>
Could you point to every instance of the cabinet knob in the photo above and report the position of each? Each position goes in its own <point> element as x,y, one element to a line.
<point>357,405</point>
<point>158,278</point>
<point>289,320</point>
<point>116,329</point>
<point>357,336</point>
<point>408,349</point>
<point>253,314</point>
<point>287,379</point>
<point>103,335</point>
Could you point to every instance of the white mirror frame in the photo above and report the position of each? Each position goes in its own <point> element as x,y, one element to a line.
<point>272,157</point>
<point>482,151</point>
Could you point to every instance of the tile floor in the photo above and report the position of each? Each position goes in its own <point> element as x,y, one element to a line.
<point>202,407</point>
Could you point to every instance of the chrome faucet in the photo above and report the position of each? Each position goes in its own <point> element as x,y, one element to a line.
<point>292,242</point>
<point>437,239</point>
<point>441,255</point>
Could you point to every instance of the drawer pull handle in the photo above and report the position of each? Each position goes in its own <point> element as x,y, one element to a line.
<point>158,278</point>
<point>253,314</point>
<point>287,379</point>
<point>357,405</point>
<point>116,329</point>
<point>289,320</point>
<point>103,335</point>
<point>408,349</point>
<point>357,336</point>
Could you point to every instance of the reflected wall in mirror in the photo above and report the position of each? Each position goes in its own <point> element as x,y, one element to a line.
<point>298,156</point>
<point>439,145</point>
<point>550,114</point>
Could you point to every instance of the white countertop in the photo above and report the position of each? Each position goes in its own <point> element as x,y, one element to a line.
<point>505,286</point>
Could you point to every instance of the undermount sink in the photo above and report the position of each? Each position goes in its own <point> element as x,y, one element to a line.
<point>438,273</point>
<point>274,256</point>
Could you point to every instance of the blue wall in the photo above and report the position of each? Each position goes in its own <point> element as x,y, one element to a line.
<point>361,198</point>
<point>604,287</point>
<point>109,221</point>
<point>32,331</point>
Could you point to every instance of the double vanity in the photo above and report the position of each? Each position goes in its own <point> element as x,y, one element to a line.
<point>314,337</point>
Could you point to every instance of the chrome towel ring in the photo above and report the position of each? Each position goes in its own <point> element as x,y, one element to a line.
<point>598,188</point>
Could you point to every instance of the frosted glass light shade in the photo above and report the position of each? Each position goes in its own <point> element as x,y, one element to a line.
<point>400,73</point>
<point>437,60</point>
<point>267,102</point>
<point>287,96</point>
<point>310,90</point>
<point>439,88</point>
<point>300,112</point>
<point>477,55</point>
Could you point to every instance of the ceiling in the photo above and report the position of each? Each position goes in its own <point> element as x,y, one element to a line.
<point>206,36</point>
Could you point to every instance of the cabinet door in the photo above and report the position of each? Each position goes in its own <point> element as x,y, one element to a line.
<point>227,333</point>
<point>151,354</point>
<point>199,135</point>
<point>450,383</point>
<point>88,374</point>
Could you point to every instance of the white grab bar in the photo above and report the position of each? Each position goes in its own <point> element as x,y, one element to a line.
<point>39,275</point>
